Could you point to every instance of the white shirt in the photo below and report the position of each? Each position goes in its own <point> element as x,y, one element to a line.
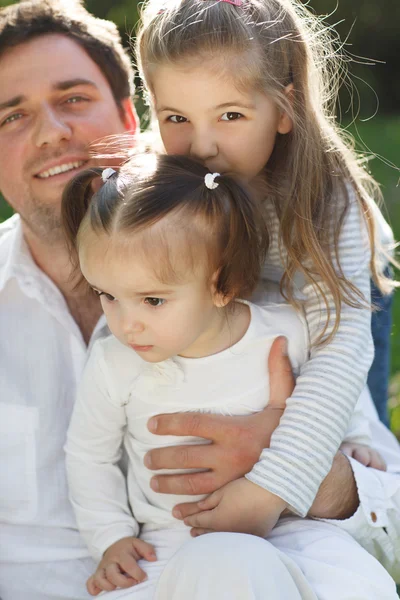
<point>120,392</point>
<point>42,356</point>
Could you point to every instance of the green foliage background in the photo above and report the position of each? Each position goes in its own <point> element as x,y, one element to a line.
<point>371,30</point>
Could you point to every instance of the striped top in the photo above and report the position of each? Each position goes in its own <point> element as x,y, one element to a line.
<point>318,413</point>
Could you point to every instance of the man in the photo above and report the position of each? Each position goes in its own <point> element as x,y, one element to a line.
<point>66,82</point>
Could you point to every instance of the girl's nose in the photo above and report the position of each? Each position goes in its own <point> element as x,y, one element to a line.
<point>132,326</point>
<point>204,145</point>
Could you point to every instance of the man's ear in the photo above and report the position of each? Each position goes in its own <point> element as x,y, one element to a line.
<point>285,124</point>
<point>129,115</point>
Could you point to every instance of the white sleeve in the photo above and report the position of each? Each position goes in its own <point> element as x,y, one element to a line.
<point>318,413</point>
<point>94,446</point>
<point>376,523</point>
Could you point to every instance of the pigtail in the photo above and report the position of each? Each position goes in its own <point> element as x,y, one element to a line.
<point>245,241</point>
<point>75,202</point>
<point>82,202</point>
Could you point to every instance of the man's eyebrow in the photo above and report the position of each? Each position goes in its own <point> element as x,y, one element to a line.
<point>59,86</point>
<point>12,102</point>
<point>70,83</point>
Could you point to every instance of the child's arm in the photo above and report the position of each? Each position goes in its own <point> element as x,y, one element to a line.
<point>119,568</point>
<point>358,440</point>
<point>319,410</point>
<point>97,485</point>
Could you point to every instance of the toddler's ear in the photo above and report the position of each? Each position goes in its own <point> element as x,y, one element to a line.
<point>285,124</point>
<point>220,300</point>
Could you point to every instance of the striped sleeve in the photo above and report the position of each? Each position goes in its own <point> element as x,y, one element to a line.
<point>318,413</point>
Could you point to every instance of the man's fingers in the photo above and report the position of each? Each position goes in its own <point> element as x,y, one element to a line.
<point>190,484</point>
<point>178,457</point>
<point>281,380</point>
<point>194,424</point>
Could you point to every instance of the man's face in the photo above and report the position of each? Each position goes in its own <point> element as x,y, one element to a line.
<point>54,101</point>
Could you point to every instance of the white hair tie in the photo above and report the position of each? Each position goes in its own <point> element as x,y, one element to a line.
<point>210,182</point>
<point>107,173</point>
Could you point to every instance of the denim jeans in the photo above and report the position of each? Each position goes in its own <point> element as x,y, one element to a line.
<point>378,376</point>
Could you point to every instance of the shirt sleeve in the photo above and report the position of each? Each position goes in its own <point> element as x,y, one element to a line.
<point>318,413</point>
<point>359,430</point>
<point>376,523</point>
<point>94,447</point>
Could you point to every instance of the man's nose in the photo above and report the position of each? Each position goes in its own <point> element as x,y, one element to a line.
<point>51,128</point>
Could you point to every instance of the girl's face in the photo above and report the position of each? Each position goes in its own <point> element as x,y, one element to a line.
<point>155,319</point>
<point>205,116</point>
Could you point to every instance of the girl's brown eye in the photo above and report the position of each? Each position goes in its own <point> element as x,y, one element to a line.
<point>154,301</point>
<point>231,116</point>
<point>177,119</point>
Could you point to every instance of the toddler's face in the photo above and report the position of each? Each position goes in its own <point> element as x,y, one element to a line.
<point>157,320</point>
<point>204,115</point>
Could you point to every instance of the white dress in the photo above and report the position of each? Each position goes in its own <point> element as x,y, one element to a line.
<point>118,394</point>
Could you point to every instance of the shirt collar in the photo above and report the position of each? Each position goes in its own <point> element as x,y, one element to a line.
<point>15,258</point>
<point>16,262</point>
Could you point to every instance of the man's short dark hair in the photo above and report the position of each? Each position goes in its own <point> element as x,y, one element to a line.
<point>100,39</point>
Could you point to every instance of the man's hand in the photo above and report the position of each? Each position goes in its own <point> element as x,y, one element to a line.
<point>365,455</point>
<point>240,506</point>
<point>337,496</point>
<point>237,442</point>
<point>119,568</point>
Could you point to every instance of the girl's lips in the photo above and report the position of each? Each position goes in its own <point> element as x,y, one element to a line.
<point>140,348</point>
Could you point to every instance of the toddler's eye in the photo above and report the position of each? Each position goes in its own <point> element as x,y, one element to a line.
<point>177,119</point>
<point>231,116</point>
<point>108,297</point>
<point>154,301</point>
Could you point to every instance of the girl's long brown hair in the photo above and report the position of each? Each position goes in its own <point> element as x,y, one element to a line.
<point>313,172</point>
<point>226,221</point>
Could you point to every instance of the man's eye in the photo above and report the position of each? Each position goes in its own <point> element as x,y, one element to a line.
<point>12,118</point>
<point>76,100</point>
<point>231,116</point>
<point>108,297</point>
<point>154,301</point>
<point>177,119</point>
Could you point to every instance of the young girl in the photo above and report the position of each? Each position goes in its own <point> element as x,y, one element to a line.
<point>247,86</point>
<point>162,244</point>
